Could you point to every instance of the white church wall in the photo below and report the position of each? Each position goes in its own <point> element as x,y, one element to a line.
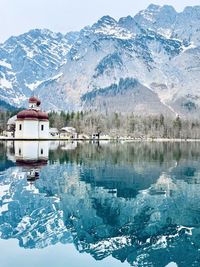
<point>30,129</point>
<point>43,129</point>
<point>18,130</point>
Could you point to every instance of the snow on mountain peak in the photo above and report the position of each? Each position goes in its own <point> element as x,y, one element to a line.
<point>159,47</point>
<point>110,27</point>
<point>150,12</point>
<point>105,20</point>
<point>30,58</point>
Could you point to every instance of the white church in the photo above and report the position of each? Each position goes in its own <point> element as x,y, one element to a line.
<point>32,123</point>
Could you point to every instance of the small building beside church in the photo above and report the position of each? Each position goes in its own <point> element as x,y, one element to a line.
<point>32,123</point>
<point>68,133</point>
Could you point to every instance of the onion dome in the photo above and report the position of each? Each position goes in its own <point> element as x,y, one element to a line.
<point>27,114</point>
<point>32,114</point>
<point>42,115</point>
<point>35,100</point>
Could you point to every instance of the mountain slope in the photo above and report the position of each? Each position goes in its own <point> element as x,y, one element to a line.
<point>129,92</point>
<point>6,107</point>
<point>28,60</point>
<point>158,47</point>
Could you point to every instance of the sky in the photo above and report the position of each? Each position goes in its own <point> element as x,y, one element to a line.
<point>19,16</point>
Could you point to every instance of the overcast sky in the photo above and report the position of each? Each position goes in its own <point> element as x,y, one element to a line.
<point>19,16</point>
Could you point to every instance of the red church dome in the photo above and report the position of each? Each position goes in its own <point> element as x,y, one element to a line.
<point>27,114</point>
<point>34,99</point>
<point>32,114</point>
<point>42,115</point>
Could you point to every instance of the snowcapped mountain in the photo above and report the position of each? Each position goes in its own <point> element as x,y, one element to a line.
<point>146,62</point>
<point>30,59</point>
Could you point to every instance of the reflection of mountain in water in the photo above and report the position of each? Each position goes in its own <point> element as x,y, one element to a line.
<point>139,203</point>
<point>5,161</point>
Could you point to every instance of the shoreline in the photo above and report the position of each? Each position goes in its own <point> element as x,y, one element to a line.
<point>3,138</point>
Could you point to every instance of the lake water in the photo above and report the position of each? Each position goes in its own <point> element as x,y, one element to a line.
<point>99,205</point>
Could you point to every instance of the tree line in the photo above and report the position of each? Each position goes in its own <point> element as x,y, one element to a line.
<point>4,117</point>
<point>117,124</point>
<point>127,125</point>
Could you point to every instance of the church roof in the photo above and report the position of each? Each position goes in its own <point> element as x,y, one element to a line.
<point>42,115</point>
<point>32,114</point>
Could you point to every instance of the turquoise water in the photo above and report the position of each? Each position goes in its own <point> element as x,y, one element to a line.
<point>81,204</point>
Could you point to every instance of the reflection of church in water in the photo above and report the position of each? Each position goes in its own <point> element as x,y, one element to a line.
<point>31,156</point>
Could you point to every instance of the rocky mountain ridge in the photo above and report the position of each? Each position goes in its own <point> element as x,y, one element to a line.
<point>158,48</point>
